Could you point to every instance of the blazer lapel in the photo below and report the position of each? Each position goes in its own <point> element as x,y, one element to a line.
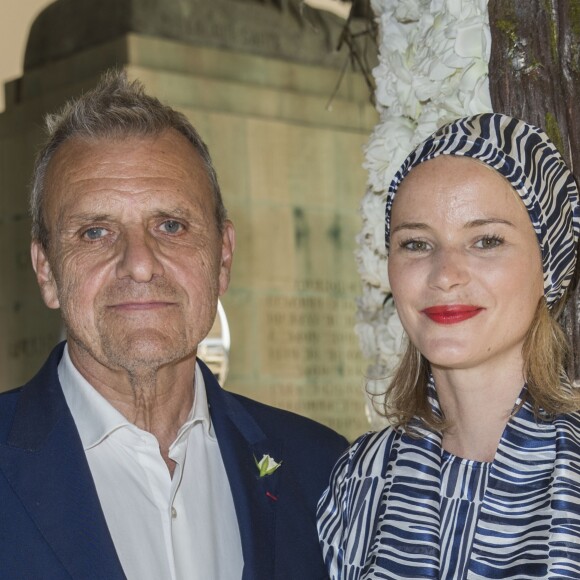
<point>241,442</point>
<point>45,464</point>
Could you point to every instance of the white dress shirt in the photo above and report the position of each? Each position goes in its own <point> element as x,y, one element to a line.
<point>163,528</point>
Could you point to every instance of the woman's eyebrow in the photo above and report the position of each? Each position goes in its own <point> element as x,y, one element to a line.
<point>471,224</point>
<point>410,226</point>
<point>488,221</point>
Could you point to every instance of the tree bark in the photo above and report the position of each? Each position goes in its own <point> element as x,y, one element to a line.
<point>534,74</point>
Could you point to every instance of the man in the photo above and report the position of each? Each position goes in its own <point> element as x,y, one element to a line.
<point>123,457</point>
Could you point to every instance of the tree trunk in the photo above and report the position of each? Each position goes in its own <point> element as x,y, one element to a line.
<point>534,74</point>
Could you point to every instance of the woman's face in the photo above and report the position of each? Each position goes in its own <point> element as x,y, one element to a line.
<point>464,264</point>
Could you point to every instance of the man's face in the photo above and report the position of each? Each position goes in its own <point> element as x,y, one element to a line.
<point>136,261</point>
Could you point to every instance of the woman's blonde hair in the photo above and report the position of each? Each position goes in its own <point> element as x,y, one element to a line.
<point>545,352</point>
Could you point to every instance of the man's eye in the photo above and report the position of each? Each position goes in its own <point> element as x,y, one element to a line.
<point>94,233</point>
<point>171,226</point>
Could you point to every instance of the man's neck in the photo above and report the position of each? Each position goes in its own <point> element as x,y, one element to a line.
<point>155,400</point>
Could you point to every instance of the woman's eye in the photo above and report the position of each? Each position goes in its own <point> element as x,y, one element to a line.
<point>171,227</point>
<point>94,233</point>
<point>415,245</point>
<point>489,242</point>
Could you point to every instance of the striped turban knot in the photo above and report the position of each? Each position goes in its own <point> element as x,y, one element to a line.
<point>527,158</point>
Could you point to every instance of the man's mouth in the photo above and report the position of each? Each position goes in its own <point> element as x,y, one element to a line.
<point>140,305</point>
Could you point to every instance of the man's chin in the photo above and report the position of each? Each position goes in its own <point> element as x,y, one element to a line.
<point>146,351</point>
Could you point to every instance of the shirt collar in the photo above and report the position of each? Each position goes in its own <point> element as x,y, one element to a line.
<point>95,418</point>
<point>200,410</point>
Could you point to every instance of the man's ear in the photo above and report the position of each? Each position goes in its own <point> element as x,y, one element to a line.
<point>228,246</point>
<point>44,275</point>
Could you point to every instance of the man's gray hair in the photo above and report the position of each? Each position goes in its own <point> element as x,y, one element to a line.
<point>115,108</point>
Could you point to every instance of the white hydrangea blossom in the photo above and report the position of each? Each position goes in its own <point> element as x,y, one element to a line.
<point>433,63</point>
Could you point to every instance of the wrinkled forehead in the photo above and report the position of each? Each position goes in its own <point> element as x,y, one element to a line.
<point>166,159</point>
<point>168,144</point>
<point>166,155</point>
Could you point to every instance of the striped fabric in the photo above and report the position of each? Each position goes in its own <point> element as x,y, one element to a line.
<point>463,484</point>
<point>527,158</point>
<point>381,516</point>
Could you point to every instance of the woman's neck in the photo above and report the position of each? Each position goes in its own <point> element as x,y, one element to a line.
<point>477,403</point>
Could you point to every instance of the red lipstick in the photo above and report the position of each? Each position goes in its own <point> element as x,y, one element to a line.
<point>451,313</point>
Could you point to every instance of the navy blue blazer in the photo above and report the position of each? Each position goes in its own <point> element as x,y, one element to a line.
<point>51,522</point>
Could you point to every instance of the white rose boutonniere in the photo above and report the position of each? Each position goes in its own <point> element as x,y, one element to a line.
<point>267,465</point>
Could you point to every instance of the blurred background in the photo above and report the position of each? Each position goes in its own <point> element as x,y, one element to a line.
<point>15,20</point>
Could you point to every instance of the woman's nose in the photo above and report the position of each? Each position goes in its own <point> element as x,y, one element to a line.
<point>449,268</point>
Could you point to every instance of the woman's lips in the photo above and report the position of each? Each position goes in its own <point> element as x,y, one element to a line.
<point>451,313</point>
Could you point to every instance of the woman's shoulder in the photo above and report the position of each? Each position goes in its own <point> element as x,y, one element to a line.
<point>367,457</point>
<point>568,427</point>
<point>349,507</point>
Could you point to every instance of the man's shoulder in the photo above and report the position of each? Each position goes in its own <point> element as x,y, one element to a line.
<point>28,413</point>
<point>280,422</point>
<point>308,449</point>
<point>8,402</point>
<point>10,397</point>
<point>274,423</point>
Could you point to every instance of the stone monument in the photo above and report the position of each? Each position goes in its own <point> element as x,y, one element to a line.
<point>255,78</point>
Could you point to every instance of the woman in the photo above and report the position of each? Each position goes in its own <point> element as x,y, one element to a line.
<point>479,474</point>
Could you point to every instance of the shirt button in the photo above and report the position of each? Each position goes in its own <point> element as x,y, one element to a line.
<point>173,513</point>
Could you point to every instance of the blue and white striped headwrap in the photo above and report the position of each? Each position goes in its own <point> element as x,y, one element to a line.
<point>527,158</point>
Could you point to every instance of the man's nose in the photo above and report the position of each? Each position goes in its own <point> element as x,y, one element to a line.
<point>139,259</point>
<point>450,268</point>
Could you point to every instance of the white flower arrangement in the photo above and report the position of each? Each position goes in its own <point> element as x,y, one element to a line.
<point>433,63</point>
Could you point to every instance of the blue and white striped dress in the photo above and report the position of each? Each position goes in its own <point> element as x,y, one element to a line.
<point>382,514</point>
